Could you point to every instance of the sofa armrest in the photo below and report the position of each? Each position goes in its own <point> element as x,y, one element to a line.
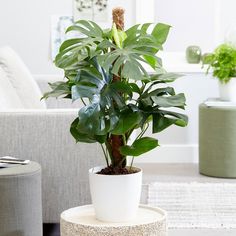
<point>43,136</point>
<point>43,80</point>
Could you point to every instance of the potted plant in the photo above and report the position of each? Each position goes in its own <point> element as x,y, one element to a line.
<point>105,70</point>
<point>223,63</point>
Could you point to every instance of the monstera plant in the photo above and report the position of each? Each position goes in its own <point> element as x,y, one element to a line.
<point>109,71</point>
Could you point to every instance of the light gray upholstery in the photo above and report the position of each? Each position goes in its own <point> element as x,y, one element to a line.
<point>44,136</point>
<point>21,201</point>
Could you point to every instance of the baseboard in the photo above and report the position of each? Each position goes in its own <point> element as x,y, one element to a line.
<point>171,153</point>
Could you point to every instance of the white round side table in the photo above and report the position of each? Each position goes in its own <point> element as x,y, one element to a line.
<point>81,221</point>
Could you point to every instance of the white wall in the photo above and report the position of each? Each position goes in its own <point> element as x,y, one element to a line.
<point>192,20</point>
<point>196,22</point>
<point>25,26</point>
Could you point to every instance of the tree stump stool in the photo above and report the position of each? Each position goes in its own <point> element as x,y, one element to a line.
<point>81,221</point>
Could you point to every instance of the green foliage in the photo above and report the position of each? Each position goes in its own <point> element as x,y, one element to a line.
<point>139,146</point>
<point>118,107</point>
<point>223,62</point>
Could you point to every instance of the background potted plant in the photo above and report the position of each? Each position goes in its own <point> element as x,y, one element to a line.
<point>223,63</point>
<point>105,69</point>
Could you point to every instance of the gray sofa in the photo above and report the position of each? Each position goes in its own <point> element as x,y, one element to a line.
<point>43,136</point>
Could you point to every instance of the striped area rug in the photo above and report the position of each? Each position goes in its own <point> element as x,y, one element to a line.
<point>196,205</point>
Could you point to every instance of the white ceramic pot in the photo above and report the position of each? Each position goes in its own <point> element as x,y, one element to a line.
<point>228,90</point>
<point>115,197</point>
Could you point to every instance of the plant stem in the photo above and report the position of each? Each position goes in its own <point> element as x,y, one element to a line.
<point>105,155</point>
<point>127,135</point>
<point>122,161</point>
<point>143,131</point>
<point>83,102</point>
<point>132,161</point>
<point>109,149</point>
<point>139,136</point>
<point>124,139</point>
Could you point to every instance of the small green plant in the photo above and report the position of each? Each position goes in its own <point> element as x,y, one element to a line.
<point>223,62</point>
<point>105,69</point>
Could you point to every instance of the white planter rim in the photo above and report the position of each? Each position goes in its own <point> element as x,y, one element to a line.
<point>94,171</point>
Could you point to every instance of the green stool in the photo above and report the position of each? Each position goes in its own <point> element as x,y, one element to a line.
<point>217,141</point>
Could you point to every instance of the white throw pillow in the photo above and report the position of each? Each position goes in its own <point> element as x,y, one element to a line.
<point>21,79</point>
<point>8,96</point>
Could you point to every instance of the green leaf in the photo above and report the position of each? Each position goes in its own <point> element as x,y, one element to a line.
<point>145,27</point>
<point>92,120</point>
<point>118,63</point>
<point>135,88</point>
<point>139,147</point>
<point>58,89</point>
<point>161,122</point>
<point>223,62</point>
<point>87,28</point>
<point>70,57</point>
<point>122,36</point>
<point>171,101</point>
<point>68,43</point>
<point>106,44</point>
<point>127,121</point>
<point>158,92</point>
<point>160,32</point>
<point>99,116</point>
<point>164,119</point>
<point>122,87</point>
<point>81,91</point>
<point>65,61</point>
<point>164,77</point>
<point>132,70</point>
<point>115,35</point>
<point>79,137</point>
<point>132,31</point>
<point>147,97</point>
<point>151,61</point>
<point>82,137</point>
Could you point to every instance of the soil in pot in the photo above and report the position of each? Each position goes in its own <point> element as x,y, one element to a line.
<point>110,170</point>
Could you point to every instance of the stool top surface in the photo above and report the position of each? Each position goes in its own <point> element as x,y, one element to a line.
<point>85,216</point>
<point>16,170</point>
<point>224,107</point>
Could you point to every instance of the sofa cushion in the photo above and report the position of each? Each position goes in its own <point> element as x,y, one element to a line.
<point>8,96</point>
<point>21,79</point>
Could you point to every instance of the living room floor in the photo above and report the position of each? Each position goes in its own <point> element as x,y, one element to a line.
<point>182,173</point>
<point>169,173</point>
